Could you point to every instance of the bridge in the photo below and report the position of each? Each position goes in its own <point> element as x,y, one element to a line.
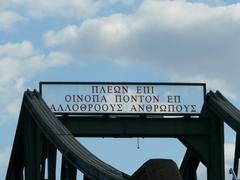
<point>40,133</point>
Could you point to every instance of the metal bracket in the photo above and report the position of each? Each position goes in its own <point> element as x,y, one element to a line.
<point>231,171</point>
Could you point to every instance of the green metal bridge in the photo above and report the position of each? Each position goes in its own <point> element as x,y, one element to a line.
<point>40,134</point>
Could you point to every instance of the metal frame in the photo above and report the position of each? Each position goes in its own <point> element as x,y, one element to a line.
<point>40,133</point>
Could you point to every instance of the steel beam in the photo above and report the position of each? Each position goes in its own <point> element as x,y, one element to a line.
<point>237,154</point>
<point>71,172</point>
<point>216,166</point>
<point>63,169</point>
<point>16,162</point>
<point>199,145</point>
<point>51,154</point>
<point>31,152</point>
<point>189,166</point>
<point>135,127</point>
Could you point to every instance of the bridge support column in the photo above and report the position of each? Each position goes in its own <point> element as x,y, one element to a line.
<point>68,171</point>
<point>31,149</point>
<point>72,172</point>
<point>189,166</point>
<point>63,169</point>
<point>237,154</point>
<point>215,169</point>
<point>43,159</point>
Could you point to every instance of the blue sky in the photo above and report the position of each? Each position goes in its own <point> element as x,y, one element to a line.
<point>113,40</point>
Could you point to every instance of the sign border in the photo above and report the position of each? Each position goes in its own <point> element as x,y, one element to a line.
<point>41,83</point>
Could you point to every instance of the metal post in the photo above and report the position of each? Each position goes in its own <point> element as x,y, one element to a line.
<point>63,169</point>
<point>215,169</point>
<point>71,172</point>
<point>189,166</point>
<point>31,152</point>
<point>51,153</point>
<point>237,154</point>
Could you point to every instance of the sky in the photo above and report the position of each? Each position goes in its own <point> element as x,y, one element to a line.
<point>118,40</point>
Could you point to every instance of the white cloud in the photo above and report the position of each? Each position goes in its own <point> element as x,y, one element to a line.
<point>8,19</point>
<point>44,8</point>
<point>4,157</point>
<point>14,11</point>
<point>22,60</point>
<point>183,39</point>
<point>19,62</point>
<point>202,172</point>
<point>73,8</point>
<point>77,9</point>
<point>229,152</point>
<point>12,49</point>
<point>229,156</point>
<point>212,2</point>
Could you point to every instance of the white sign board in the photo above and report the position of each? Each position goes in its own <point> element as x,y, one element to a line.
<point>123,98</point>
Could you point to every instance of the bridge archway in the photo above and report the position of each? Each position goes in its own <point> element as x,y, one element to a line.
<point>40,133</point>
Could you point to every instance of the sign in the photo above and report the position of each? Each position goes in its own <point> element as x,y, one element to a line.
<point>124,98</point>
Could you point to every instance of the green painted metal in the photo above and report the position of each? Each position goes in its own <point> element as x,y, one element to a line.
<point>199,145</point>
<point>189,166</point>
<point>139,126</point>
<point>71,172</point>
<point>63,169</point>
<point>215,168</point>
<point>52,155</point>
<point>237,154</point>
<point>39,134</point>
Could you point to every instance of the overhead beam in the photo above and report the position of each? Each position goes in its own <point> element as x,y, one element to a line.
<point>135,127</point>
